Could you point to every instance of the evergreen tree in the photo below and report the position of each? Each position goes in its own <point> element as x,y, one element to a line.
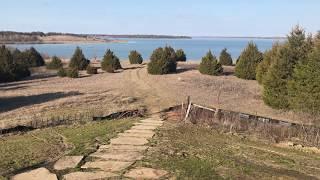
<point>294,52</point>
<point>92,70</point>
<point>10,70</point>
<point>110,62</point>
<point>73,73</point>
<point>181,56</point>
<point>304,88</point>
<point>78,60</point>
<point>265,64</point>
<point>135,57</point>
<point>248,62</point>
<point>275,93</point>
<point>163,61</point>
<point>55,63</point>
<point>225,58</point>
<point>210,65</point>
<point>32,58</point>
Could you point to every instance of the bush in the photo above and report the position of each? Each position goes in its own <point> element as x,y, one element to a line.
<point>55,63</point>
<point>9,69</point>
<point>248,62</point>
<point>304,88</point>
<point>110,62</point>
<point>135,57</point>
<point>181,56</point>
<point>62,72</point>
<point>210,65</point>
<point>78,60</point>
<point>73,73</point>
<point>163,61</point>
<point>265,64</point>
<point>225,58</point>
<point>92,70</point>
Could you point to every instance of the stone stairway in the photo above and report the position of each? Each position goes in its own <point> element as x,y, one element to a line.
<point>114,160</point>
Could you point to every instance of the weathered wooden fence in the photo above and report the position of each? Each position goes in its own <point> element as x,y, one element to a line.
<point>232,121</point>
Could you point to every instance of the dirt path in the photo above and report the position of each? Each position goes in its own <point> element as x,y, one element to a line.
<point>154,98</point>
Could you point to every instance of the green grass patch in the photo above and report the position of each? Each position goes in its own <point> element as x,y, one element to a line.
<point>20,151</point>
<point>192,152</point>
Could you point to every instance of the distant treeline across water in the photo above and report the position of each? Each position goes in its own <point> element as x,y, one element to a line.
<point>195,48</point>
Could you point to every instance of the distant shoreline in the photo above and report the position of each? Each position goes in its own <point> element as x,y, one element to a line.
<point>238,37</point>
<point>64,42</point>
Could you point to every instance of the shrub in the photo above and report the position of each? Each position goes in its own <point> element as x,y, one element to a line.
<point>181,56</point>
<point>304,88</point>
<point>135,57</point>
<point>78,60</point>
<point>32,58</point>
<point>92,70</point>
<point>55,63</point>
<point>248,62</point>
<point>210,65</point>
<point>225,58</point>
<point>265,64</point>
<point>73,73</point>
<point>162,61</point>
<point>110,62</point>
<point>9,69</point>
<point>62,72</point>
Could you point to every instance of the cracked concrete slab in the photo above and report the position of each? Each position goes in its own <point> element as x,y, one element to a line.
<point>67,162</point>
<point>138,131</point>
<point>138,135</point>
<point>89,175</point>
<point>123,148</point>
<point>129,141</point>
<point>119,156</point>
<point>36,174</point>
<point>145,173</point>
<point>148,123</point>
<point>143,127</point>
<point>110,166</point>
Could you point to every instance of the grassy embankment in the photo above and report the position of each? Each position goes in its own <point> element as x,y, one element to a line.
<point>201,153</point>
<point>36,147</point>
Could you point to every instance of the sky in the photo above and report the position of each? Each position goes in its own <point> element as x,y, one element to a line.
<point>169,17</point>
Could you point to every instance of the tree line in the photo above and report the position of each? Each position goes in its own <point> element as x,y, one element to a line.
<point>15,64</point>
<point>12,36</point>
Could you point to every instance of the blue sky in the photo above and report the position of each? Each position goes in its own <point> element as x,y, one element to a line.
<point>183,17</point>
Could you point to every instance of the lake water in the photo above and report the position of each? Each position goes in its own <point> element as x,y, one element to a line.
<point>194,48</point>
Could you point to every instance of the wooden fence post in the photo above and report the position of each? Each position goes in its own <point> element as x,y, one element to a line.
<point>188,110</point>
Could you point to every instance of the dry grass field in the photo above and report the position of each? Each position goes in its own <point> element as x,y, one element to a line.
<point>195,152</point>
<point>45,95</point>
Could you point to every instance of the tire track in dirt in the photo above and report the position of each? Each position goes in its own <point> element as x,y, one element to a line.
<point>151,95</point>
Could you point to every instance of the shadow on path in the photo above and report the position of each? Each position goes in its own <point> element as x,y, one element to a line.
<point>11,103</point>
